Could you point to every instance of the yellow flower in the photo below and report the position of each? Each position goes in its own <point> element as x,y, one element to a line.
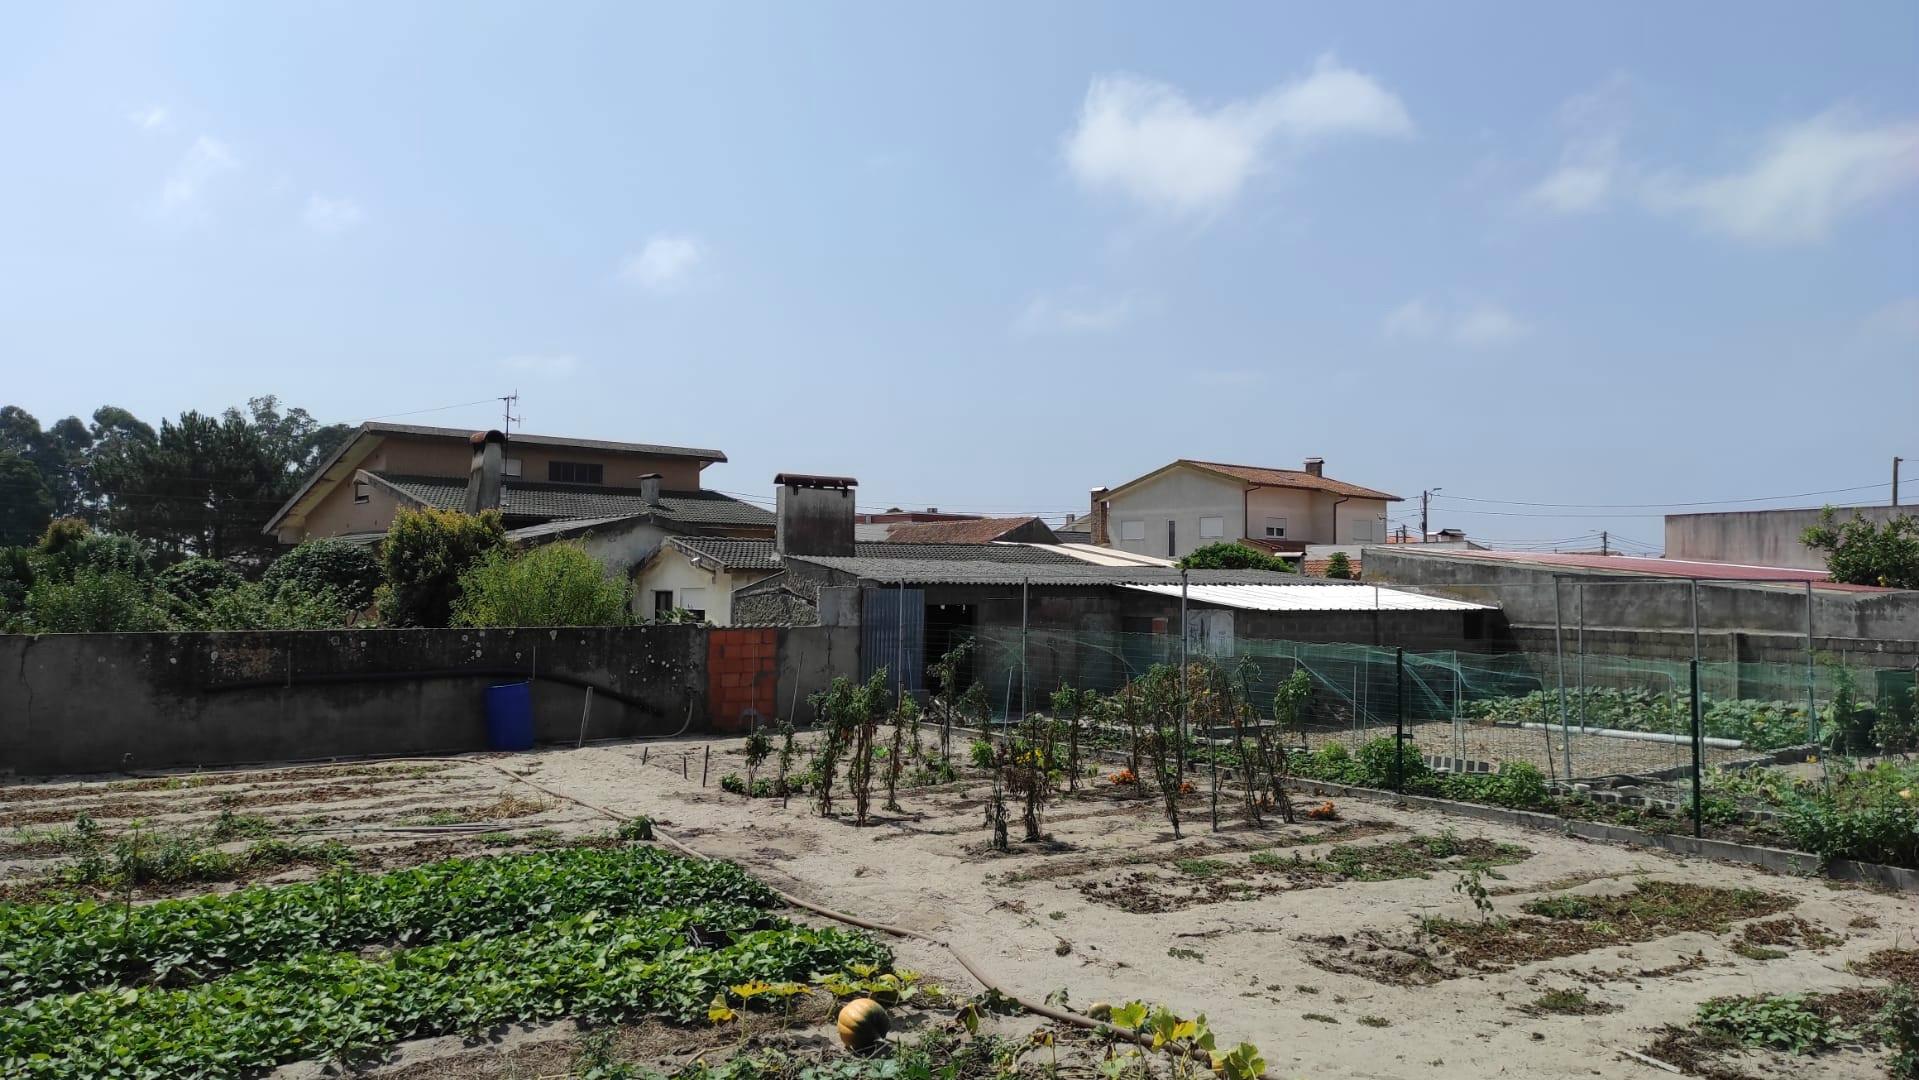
<point>1905,793</point>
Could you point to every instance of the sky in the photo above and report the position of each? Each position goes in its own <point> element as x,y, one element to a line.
<point>1569,266</point>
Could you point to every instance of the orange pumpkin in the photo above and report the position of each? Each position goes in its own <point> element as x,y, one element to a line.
<point>863,1022</point>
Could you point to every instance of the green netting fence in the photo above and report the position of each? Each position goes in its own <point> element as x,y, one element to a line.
<point>1577,717</point>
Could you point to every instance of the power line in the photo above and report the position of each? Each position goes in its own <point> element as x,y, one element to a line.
<point>1661,506</point>
<point>436,408</point>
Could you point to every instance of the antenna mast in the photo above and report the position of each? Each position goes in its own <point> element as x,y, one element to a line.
<point>509,400</point>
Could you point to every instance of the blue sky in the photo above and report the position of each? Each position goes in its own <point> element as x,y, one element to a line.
<point>991,256</point>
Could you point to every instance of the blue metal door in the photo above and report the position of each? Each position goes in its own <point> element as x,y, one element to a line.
<point>893,636</point>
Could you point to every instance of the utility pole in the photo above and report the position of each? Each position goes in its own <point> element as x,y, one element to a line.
<point>1603,543</point>
<point>1895,481</point>
<point>1425,501</point>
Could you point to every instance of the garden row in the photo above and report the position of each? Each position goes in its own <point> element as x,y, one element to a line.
<point>225,985</point>
<point>1849,724</point>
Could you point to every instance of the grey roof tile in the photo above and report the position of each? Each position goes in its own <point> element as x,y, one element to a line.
<point>758,554</point>
<point>1001,572</point>
<point>523,500</point>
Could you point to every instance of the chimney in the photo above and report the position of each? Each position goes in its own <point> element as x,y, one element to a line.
<point>650,488</point>
<point>814,515</point>
<point>1316,466</point>
<point>1098,517</point>
<point>484,477</point>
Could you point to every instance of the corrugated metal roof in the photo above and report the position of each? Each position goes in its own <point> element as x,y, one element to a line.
<point>1627,564</point>
<point>758,554</point>
<point>1320,597</point>
<point>998,572</point>
<point>1106,556</point>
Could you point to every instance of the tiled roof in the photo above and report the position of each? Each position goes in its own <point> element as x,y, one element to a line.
<point>377,427</point>
<point>758,554</point>
<point>1291,478</point>
<point>523,500</point>
<point>971,531</point>
<point>985,572</point>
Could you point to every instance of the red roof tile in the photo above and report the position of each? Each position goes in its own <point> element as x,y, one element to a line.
<point>974,531</point>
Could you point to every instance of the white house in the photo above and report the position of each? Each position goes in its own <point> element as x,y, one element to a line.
<point>1189,504</point>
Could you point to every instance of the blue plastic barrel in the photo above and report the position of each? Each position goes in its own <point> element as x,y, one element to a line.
<point>509,716</point>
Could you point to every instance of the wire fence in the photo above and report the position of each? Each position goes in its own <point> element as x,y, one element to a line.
<point>1583,718</point>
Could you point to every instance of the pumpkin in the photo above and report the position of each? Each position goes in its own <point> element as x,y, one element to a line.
<point>862,1023</point>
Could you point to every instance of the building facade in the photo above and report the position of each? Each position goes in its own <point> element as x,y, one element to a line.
<point>1189,504</point>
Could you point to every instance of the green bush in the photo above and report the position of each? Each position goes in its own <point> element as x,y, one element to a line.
<point>16,577</point>
<point>253,606</point>
<point>1228,555</point>
<point>1871,815</point>
<point>1518,785</point>
<point>554,585</point>
<point>349,571</point>
<point>193,580</point>
<point>92,602</point>
<point>1339,567</point>
<point>70,546</point>
<point>423,557</point>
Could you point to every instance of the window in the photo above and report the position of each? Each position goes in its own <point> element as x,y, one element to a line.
<point>513,466</point>
<point>360,491</point>
<point>1212,528</point>
<point>1132,530</point>
<point>1362,532</point>
<point>694,602</point>
<point>662,602</point>
<point>1276,527</point>
<point>1170,550</point>
<point>574,472</point>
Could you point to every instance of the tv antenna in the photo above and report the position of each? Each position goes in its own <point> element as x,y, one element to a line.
<point>509,400</point>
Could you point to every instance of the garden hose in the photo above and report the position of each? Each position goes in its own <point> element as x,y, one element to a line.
<point>986,981</point>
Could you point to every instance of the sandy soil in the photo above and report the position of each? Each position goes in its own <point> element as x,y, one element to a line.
<point>1044,918</point>
<point>1253,974</point>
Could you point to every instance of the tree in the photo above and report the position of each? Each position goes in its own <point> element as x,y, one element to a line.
<point>423,558</point>
<point>92,602</point>
<point>1339,567</point>
<point>294,437</point>
<point>191,581</point>
<point>1863,552</point>
<point>554,585</point>
<point>1227,555</point>
<point>350,571</point>
<point>204,486</point>
<point>26,506</point>
<point>58,454</point>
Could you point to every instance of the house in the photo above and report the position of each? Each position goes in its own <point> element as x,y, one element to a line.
<point>1090,616</point>
<point>1189,504</point>
<point>555,487</point>
<point>1023,530</point>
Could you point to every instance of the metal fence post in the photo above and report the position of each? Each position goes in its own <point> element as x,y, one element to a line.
<point>1698,753</point>
<point>1399,720</point>
<point>1812,708</point>
<point>1559,653</point>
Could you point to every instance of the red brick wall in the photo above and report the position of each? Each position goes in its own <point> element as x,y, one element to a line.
<point>742,669</point>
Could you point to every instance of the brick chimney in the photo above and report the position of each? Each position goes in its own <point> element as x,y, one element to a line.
<point>1098,517</point>
<point>814,514</point>
<point>488,471</point>
<point>650,488</point>
<point>1316,466</point>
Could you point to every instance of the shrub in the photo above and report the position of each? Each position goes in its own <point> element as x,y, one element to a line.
<point>1518,784</point>
<point>1339,567</point>
<point>253,606</point>
<point>1863,552</point>
<point>192,581</point>
<point>1227,555</point>
<point>555,585</point>
<point>1376,765</point>
<point>91,602</point>
<point>70,546</point>
<point>425,553</point>
<point>349,571</point>
<point>1869,814</point>
<point>16,577</point>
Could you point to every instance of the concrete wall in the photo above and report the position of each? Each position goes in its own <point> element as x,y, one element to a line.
<point>1758,537</point>
<point>1647,614</point>
<point>809,659</point>
<point>77,703</point>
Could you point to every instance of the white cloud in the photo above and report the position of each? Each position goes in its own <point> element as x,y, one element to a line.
<point>1805,179</point>
<point>1414,320</point>
<point>545,365</point>
<point>1075,315</point>
<point>1589,168</point>
<point>1485,326</point>
<point>1148,142</point>
<point>1474,326</point>
<point>326,215</point>
<point>204,161</point>
<point>149,118</point>
<point>662,263</point>
<point>1898,320</point>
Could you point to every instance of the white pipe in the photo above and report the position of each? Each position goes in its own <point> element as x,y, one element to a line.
<point>1647,736</point>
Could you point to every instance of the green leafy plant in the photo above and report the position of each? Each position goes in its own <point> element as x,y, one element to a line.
<point>552,585</point>
<point>423,558</point>
<point>1860,551</point>
<point>1777,1022</point>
